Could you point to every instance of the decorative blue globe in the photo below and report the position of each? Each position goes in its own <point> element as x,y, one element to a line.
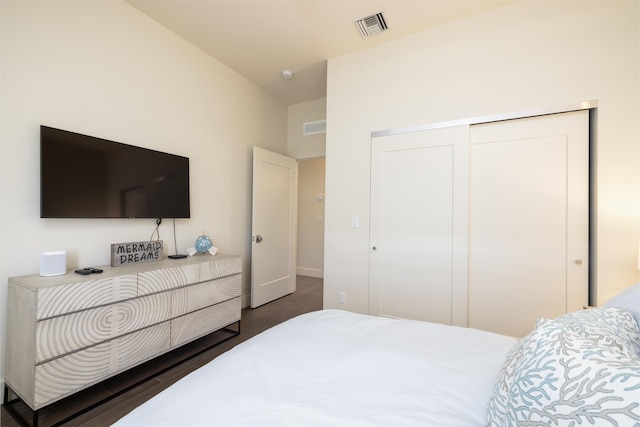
<point>203,243</point>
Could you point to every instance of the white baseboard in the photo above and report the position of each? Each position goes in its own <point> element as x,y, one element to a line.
<point>310,272</point>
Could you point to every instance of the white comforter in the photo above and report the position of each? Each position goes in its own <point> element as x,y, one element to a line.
<point>336,368</point>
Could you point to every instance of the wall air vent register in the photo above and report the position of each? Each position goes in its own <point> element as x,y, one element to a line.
<point>312,128</point>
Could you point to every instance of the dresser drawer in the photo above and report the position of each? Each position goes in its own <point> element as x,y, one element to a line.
<point>57,300</point>
<point>167,278</point>
<point>216,268</point>
<point>61,335</point>
<point>195,297</point>
<point>65,375</point>
<point>202,322</point>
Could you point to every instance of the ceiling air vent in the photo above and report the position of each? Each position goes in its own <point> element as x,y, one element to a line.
<point>371,25</point>
<point>312,128</point>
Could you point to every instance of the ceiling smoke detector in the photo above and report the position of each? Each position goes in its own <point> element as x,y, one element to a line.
<point>371,25</point>
<point>287,74</point>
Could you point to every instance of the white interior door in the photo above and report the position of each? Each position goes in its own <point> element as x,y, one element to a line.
<point>274,225</point>
<point>528,221</point>
<point>419,225</point>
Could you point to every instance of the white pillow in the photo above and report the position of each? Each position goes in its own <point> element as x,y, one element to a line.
<point>580,369</point>
<point>629,299</point>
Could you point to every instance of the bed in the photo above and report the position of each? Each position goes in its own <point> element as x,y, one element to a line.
<point>337,368</point>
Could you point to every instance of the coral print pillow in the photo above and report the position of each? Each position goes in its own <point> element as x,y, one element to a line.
<point>580,369</point>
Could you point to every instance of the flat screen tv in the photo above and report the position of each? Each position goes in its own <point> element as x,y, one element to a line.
<point>87,177</point>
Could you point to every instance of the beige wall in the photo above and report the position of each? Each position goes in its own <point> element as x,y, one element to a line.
<point>300,146</point>
<point>310,257</point>
<point>529,55</point>
<point>104,69</point>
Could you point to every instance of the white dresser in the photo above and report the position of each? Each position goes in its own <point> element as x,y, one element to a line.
<point>65,333</point>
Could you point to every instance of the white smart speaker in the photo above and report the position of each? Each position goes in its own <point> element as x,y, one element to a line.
<point>53,263</point>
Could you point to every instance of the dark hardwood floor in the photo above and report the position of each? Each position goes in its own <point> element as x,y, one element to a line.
<point>308,297</point>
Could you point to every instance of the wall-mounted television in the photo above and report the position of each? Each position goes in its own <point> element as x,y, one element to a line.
<point>87,177</point>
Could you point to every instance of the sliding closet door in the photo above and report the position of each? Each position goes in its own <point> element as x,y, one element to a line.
<point>528,221</point>
<point>418,234</point>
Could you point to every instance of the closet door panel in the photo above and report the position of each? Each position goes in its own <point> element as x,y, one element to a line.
<point>528,221</point>
<point>418,226</point>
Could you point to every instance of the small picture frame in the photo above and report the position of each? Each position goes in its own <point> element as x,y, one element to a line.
<point>136,252</point>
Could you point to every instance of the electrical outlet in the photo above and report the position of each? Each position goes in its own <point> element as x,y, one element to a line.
<point>342,297</point>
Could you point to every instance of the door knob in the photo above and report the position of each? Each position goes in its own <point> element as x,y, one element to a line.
<point>578,262</point>
<point>258,238</point>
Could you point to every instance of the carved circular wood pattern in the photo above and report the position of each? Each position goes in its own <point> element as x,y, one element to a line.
<point>62,376</point>
<point>86,294</point>
<point>64,334</point>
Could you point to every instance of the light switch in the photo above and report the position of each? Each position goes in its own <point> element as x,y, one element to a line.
<point>355,222</point>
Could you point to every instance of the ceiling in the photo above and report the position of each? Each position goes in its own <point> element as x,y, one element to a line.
<point>261,38</point>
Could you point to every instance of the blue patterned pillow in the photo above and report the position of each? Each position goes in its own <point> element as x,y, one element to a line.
<point>611,326</point>
<point>629,299</point>
<point>579,369</point>
<point>498,405</point>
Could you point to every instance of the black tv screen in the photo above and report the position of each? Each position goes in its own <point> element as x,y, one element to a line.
<point>87,177</point>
